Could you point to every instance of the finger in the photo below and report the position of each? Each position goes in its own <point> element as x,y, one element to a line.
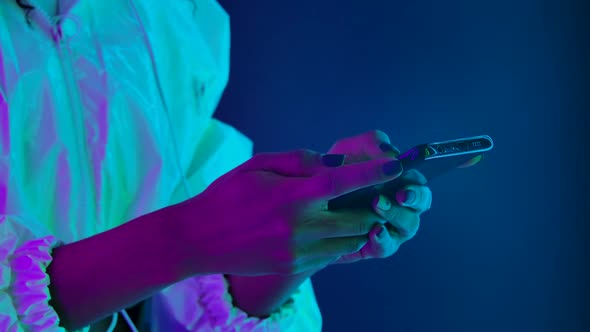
<point>341,223</point>
<point>381,244</point>
<point>409,176</point>
<point>412,176</point>
<point>368,145</point>
<point>416,197</point>
<point>315,264</point>
<point>404,221</point>
<point>299,163</point>
<point>334,247</point>
<point>333,182</point>
<point>390,149</point>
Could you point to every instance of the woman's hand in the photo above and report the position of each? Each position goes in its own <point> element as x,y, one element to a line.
<point>400,218</point>
<point>270,216</point>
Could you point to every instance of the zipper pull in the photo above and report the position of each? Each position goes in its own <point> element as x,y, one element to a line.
<point>67,27</point>
<point>56,33</point>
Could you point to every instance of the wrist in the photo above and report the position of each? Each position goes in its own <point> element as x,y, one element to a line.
<point>99,275</point>
<point>188,250</point>
<point>260,296</point>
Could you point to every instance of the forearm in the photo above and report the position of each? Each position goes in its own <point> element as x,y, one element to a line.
<point>92,278</point>
<point>262,295</point>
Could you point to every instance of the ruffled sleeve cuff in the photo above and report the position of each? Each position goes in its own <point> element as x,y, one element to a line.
<point>29,287</point>
<point>220,311</point>
<point>205,304</point>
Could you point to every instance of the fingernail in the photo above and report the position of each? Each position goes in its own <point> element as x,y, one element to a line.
<point>333,160</point>
<point>386,147</point>
<point>383,203</point>
<point>392,167</point>
<point>406,197</point>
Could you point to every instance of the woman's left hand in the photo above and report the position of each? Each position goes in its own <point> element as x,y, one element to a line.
<point>402,216</point>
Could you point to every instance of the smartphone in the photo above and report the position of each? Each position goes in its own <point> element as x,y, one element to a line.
<point>431,160</point>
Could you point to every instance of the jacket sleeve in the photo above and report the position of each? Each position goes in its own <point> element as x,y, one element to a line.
<point>24,293</point>
<point>204,304</point>
<point>25,252</point>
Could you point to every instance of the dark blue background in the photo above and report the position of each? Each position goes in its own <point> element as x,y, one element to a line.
<point>503,248</point>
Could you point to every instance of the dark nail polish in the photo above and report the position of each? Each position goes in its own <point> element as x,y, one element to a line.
<point>386,147</point>
<point>393,167</point>
<point>333,160</point>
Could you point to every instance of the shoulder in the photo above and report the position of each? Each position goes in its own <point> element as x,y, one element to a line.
<point>191,43</point>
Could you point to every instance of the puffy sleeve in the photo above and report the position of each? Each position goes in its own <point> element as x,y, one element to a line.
<point>204,304</point>
<point>25,252</point>
<point>24,293</point>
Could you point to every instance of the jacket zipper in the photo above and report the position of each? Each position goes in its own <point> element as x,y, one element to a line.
<point>76,105</point>
<point>74,100</point>
<point>77,110</point>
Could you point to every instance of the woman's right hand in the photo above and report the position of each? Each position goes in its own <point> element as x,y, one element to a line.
<point>270,214</point>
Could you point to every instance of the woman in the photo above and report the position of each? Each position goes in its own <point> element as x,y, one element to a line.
<point>117,186</point>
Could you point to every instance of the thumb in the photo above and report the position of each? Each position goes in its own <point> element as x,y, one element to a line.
<point>335,182</point>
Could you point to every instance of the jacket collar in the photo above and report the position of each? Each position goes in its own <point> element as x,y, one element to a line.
<point>50,23</point>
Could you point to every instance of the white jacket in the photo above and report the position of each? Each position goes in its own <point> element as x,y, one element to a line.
<point>106,115</point>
